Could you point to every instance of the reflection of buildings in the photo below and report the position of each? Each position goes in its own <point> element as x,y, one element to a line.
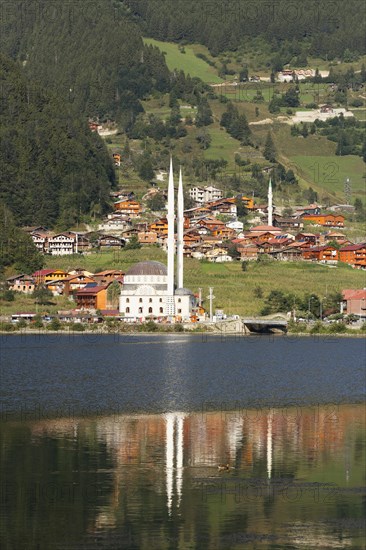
<point>157,458</point>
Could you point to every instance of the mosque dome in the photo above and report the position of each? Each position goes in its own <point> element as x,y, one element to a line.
<point>148,268</point>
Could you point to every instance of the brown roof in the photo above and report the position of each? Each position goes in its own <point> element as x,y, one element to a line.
<point>148,268</point>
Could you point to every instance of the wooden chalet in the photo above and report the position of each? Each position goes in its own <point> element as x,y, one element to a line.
<point>131,208</point>
<point>160,227</point>
<point>324,254</point>
<point>44,276</point>
<point>110,241</point>
<point>354,254</point>
<point>325,220</point>
<point>92,297</point>
<point>106,277</point>
<point>288,223</point>
<point>307,238</point>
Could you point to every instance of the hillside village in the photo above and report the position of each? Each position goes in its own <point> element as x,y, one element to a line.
<point>213,232</point>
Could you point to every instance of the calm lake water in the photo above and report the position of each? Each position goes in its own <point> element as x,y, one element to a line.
<point>114,442</point>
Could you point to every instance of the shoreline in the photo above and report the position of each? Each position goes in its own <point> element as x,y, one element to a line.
<point>216,334</point>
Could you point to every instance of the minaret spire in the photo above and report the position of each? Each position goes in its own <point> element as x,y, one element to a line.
<point>270,203</point>
<point>180,226</point>
<point>170,242</point>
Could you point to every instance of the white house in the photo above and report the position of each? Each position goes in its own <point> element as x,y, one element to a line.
<point>202,195</point>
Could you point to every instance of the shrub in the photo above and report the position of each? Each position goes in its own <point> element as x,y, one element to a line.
<point>22,323</point>
<point>8,296</point>
<point>337,328</point>
<point>7,327</point>
<point>77,327</point>
<point>150,326</point>
<point>55,324</point>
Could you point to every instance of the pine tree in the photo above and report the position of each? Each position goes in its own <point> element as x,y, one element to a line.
<point>269,152</point>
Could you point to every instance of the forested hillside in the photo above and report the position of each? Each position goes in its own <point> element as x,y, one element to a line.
<point>91,53</point>
<point>16,247</point>
<point>53,169</point>
<point>326,29</point>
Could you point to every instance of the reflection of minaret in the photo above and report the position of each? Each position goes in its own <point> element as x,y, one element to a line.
<point>235,435</point>
<point>170,243</point>
<point>180,222</point>
<point>174,457</point>
<point>270,204</point>
<point>269,443</point>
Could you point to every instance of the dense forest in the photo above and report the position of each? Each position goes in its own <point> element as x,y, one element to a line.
<point>53,168</point>
<point>326,29</point>
<point>16,247</point>
<point>91,53</point>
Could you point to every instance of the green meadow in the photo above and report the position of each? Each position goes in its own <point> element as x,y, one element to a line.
<point>233,288</point>
<point>187,62</point>
<point>331,172</point>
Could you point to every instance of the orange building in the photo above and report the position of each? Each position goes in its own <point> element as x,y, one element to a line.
<point>94,297</point>
<point>44,276</point>
<point>129,207</point>
<point>326,254</point>
<point>327,220</point>
<point>160,227</point>
<point>248,202</point>
<point>354,254</point>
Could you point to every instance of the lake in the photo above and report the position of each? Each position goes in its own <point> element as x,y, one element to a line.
<point>114,441</point>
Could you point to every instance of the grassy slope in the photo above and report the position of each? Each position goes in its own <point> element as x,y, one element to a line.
<point>330,173</point>
<point>186,62</point>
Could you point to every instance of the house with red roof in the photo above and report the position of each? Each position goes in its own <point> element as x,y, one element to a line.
<point>354,302</point>
<point>92,297</point>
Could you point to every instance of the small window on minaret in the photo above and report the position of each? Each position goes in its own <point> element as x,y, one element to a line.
<point>127,300</point>
<point>150,300</point>
<point>179,300</point>
<point>140,300</point>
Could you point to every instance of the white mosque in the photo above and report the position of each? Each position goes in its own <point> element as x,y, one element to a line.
<point>149,289</point>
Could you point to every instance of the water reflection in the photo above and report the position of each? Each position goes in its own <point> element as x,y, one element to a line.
<point>151,481</point>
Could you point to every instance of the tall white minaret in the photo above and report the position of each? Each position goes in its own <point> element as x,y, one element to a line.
<point>171,243</point>
<point>180,227</point>
<point>270,204</point>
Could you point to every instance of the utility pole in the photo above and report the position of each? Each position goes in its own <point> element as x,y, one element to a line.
<point>211,297</point>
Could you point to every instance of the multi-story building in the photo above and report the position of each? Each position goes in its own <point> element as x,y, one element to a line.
<point>202,195</point>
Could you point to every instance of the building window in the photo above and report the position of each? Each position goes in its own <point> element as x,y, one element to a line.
<point>127,300</point>
<point>140,300</point>
<point>150,300</point>
<point>150,310</point>
<point>160,300</point>
<point>179,311</point>
<point>140,309</point>
<point>179,300</point>
<point>127,310</point>
<point>161,310</point>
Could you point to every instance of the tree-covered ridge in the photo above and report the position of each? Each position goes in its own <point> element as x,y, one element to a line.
<point>16,247</point>
<point>321,28</point>
<point>53,169</point>
<point>90,52</point>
